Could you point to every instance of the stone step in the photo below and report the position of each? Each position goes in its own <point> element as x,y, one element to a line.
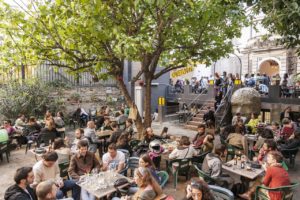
<point>197,119</point>
<point>195,123</point>
<point>200,115</point>
<point>191,127</point>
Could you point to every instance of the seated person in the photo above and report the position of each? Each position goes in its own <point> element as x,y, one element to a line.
<point>212,166</point>
<point>208,143</point>
<point>198,189</point>
<point>252,124</point>
<point>3,135</point>
<point>292,143</point>
<point>63,152</point>
<point>46,190</point>
<point>148,136</point>
<point>209,118</point>
<point>79,135</point>
<point>122,119</point>
<point>148,188</point>
<point>123,143</point>
<point>236,139</point>
<point>21,189</point>
<point>47,169</point>
<point>275,127</point>
<point>262,88</point>
<point>49,129</point>
<point>106,125</point>
<point>115,134</point>
<point>266,134</point>
<point>164,133</point>
<point>276,176</point>
<point>20,122</point>
<point>129,128</point>
<point>146,162</point>
<point>83,162</point>
<point>113,159</point>
<point>9,128</point>
<point>268,146</point>
<point>33,126</point>
<point>287,130</point>
<point>240,125</point>
<point>199,138</point>
<point>90,134</point>
<point>238,117</point>
<point>184,150</point>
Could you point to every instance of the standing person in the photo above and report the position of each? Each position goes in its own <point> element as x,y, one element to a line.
<point>209,118</point>
<point>82,163</point>
<point>217,83</point>
<point>199,138</point>
<point>287,113</point>
<point>218,99</point>
<point>21,190</point>
<point>47,169</point>
<point>113,159</point>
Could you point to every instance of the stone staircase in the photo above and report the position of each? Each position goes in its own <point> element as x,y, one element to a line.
<point>198,119</point>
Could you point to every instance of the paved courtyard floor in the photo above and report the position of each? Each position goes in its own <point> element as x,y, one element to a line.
<point>18,159</point>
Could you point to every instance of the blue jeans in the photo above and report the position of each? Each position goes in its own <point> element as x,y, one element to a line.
<point>85,195</point>
<point>69,185</point>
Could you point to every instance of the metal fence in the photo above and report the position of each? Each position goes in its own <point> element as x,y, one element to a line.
<point>47,73</point>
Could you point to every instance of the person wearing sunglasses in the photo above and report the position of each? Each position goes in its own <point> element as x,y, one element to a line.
<point>198,190</point>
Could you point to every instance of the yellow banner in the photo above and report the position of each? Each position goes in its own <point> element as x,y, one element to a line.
<point>181,72</point>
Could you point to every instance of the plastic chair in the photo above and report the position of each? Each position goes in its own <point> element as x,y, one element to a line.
<point>204,176</point>
<point>164,177</point>
<point>63,168</point>
<point>4,149</point>
<point>199,159</point>
<point>134,143</point>
<point>221,193</point>
<point>181,168</point>
<point>286,191</point>
<point>133,163</point>
<point>231,150</point>
<point>291,155</point>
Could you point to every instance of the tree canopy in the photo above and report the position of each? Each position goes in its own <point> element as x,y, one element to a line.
<point>282,17</point>
<point>94,35</point>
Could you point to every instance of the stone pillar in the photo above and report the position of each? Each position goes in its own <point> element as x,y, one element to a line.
<point>138,99</point>
<point>161,113</point>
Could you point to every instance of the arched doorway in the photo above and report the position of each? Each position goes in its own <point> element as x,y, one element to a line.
<point>269,67</point>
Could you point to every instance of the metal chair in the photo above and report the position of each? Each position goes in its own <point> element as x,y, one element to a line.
<point>221,193</point>
<point>164,177</point>
<point>286,192</point>
<point>199,159</point>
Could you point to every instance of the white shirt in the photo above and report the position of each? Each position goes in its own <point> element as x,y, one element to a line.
<point>43,173</point>
<point>113,163</point>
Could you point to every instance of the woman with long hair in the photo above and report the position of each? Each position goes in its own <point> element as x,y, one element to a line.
<point>122,142</point>
<point>198,190</point>
<point>146,161</point>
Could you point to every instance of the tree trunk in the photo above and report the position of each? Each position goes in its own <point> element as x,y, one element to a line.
<point>147,105</point>
<point>138,122</point>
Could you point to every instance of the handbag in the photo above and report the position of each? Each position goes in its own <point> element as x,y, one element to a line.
<point>120,182</point>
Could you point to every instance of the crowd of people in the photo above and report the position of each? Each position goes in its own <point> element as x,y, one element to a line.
<point>43,180</point>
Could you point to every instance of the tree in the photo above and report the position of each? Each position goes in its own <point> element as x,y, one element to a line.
<point>91,35</point>
<point>282,17</point>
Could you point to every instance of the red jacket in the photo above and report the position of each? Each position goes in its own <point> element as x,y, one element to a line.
<point>276,176</point>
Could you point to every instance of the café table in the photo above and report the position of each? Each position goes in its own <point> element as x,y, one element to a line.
<point>39,155</point>
<point>101,184</point>
<point>236,169</point>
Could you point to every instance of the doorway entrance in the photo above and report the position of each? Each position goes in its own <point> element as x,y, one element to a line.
<point>269,67</point>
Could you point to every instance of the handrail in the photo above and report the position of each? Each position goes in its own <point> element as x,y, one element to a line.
<point>191,116</point>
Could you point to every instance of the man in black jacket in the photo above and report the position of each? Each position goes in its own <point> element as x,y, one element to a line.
<point>21,190</point>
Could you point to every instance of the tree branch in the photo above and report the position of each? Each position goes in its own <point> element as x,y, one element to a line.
<point>167,69</point>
